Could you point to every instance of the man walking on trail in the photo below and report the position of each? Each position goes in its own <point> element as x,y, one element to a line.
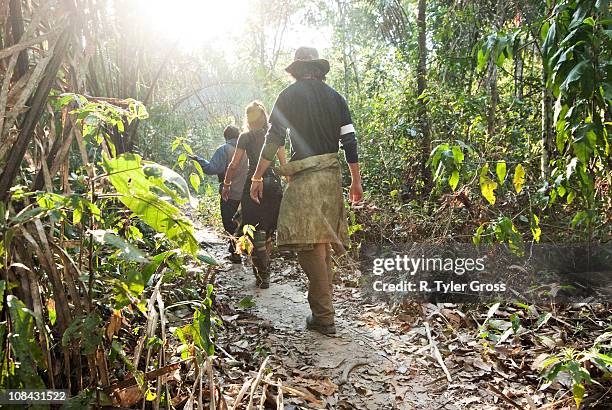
<point>312,217</point>
<point>217,166</point>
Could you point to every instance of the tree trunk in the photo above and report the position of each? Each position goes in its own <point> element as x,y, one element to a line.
<point>493,99</point>
<point>16,17</point>
<point>421,87</point>
<point>518,75</point>
<point>547,124</point>
<point>37,104</point>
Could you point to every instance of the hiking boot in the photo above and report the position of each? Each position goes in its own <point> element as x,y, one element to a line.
<point>311,323</point>
<point>234,258</point>
<point>262,279</point>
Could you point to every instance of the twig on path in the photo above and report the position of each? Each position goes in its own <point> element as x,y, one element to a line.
<point>302,394</point>
<point>222,350</point>
<point>257,382</point>
<point>242,392</point>
<point>437,379</point>
<point>502,396</point>
<point>349,368</point>
<point>262,402</point>
<point>280,405</point>
<point>436,352</point>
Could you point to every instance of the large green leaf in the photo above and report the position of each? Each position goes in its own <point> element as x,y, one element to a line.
<point>576,73</point>
<point>458,154</point>
<point>144,191</point>
<point>127,251</point>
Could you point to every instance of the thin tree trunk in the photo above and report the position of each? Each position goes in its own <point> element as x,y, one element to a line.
<point>341,10</point>
<point>421,88</point>
<point>16,18</point>
<point>493,99</point>
<point>518,74</point>
<point>547,123</point>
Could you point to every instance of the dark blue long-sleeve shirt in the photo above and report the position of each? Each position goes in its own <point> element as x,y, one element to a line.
<point>218,165</point>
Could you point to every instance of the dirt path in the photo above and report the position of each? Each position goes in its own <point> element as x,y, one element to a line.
<point>376,361</point>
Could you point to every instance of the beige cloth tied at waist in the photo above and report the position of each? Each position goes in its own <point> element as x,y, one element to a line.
<point>312,210</point>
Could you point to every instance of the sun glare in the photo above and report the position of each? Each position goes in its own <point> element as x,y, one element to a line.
<point>195,22</point>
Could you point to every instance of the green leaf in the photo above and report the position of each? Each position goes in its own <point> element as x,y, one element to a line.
<point>580,217</point>
<point>175,144</point>
<point>500,170</point>
<point>207,259</point>
<point>454,179</point>
<point>85,332</point>
<point>487,185</point>
<point>143,195</point>
<point>535,227</point>
<point>126,250</point>
<point>578,392</point>
<point>168,181</point>
<point>182,158</point>
<point>519,178</point>
<point>550,40</point>
<point>187,148</point>
<point>201,330</point>
<point>476,239</point>
<point>246,302</point>
<point>198,167</point>
<point>576,73</point>
<point>458,155</point>
<point>156,261</point>
<point>195,181</point>
<point>561,191</point>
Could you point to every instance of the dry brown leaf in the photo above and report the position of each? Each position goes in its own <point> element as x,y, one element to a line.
<point>114,324</point>
<point>324,387</point>
<point>128,397</point>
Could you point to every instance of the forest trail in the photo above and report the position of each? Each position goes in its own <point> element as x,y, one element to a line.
<point>377,360</point>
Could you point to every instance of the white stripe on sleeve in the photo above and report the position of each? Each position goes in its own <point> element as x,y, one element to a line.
<point>347,129</point>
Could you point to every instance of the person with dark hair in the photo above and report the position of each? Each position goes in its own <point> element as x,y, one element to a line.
<point>217,166</point>
<point>312,218</point>
<point>263,214</point>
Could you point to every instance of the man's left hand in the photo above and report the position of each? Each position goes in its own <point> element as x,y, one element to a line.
<point>225,192</point>
<point>256,191</point>
<point>355,193</point>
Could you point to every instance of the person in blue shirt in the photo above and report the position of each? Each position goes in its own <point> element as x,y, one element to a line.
<point>218,166</point>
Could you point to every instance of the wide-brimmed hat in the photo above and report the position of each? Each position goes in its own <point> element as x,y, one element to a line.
<point>305,57</point>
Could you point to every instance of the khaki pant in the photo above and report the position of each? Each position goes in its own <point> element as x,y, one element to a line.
<point>317,264</point>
